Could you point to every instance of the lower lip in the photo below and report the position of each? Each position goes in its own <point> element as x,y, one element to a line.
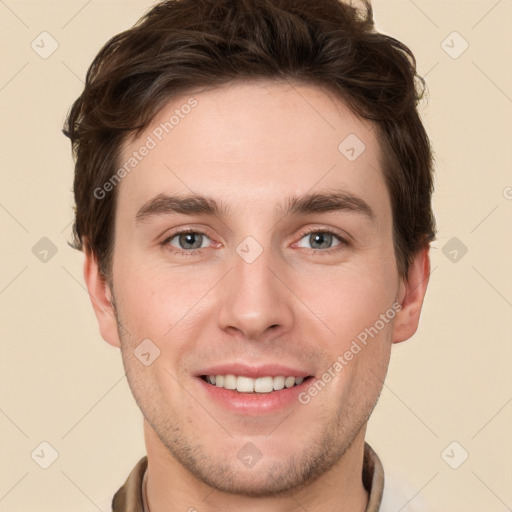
<point>255,403</point>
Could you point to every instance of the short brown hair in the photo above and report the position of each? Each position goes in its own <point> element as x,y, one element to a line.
<point>179,45</point>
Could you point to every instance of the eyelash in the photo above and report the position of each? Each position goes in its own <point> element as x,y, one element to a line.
<point>343,242</point>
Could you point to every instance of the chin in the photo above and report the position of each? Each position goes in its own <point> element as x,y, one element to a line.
<point>256,482</point>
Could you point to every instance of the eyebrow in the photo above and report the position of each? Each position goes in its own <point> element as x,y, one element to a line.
<point>163,204</point>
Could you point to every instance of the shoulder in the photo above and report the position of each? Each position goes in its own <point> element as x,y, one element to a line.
<point>398,494</point>
<point>129,496</point>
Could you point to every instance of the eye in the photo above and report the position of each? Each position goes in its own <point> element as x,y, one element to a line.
<point>187,242</point>
<point>322,240</point>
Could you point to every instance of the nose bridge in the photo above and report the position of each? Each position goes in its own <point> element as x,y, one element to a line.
<point>253,298</point>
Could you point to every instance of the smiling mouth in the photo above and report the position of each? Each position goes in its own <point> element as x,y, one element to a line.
<point>243,384</point>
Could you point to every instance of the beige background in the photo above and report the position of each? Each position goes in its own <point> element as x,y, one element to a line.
<point>61,383</point>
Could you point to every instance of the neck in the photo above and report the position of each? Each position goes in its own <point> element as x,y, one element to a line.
<point>172,488</point>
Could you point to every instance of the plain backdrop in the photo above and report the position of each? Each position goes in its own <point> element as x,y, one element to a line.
<point>448,394</point>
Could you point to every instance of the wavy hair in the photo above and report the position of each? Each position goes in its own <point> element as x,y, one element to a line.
<point>179,45</point>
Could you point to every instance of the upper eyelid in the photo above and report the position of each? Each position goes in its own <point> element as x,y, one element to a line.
<point>340,237</point>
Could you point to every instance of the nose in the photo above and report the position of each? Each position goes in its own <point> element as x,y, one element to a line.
<point>255,301</point>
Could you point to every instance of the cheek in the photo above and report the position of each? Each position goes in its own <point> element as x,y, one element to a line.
<point>351,299</point>
<point>153,298</point>
<point>350,304</point>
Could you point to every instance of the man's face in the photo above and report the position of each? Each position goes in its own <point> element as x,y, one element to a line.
<point>252,287</point>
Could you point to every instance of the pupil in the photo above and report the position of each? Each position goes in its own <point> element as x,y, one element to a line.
<point>322,236</point>
<point>188,238</point>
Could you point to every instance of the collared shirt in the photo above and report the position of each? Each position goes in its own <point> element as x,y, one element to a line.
<point>130,497</point>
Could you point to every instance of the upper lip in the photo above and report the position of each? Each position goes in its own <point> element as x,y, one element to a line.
<point>266,370</point>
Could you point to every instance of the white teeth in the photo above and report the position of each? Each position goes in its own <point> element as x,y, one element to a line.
<point>278,383</point>
<point>245,384</point>
<point>229,381</point>
<point>264,385</point>
<point>260,385</point>
<point>289,382</point>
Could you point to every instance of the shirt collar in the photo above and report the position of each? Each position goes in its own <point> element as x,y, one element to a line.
<point>129,498</point>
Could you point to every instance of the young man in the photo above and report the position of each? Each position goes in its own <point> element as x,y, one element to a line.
<point>253,196</point>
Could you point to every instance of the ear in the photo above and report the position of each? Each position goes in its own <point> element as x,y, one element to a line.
<point>411,295</point>
<point>101,296</point>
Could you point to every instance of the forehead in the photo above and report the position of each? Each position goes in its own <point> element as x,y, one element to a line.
<point>248,141</point>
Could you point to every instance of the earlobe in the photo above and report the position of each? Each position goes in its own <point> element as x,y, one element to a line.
<point>412,293</point>
<point>101,298</point>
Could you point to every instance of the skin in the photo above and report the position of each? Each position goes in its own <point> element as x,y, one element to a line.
<point>242,143</point>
